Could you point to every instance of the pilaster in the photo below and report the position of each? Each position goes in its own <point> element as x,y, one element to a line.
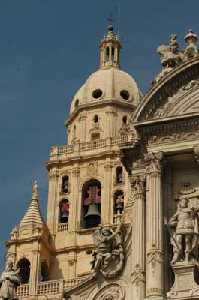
<point>34,270</point>
<point>154,225</point>
<point>138,236</point>
<point>107,203</point>
<point>53,190</point>
<point>75,206</point>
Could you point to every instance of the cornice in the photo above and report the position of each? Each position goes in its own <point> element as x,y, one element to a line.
<point>82,158</point>
<point>166,87</point>
<point>101,103</point>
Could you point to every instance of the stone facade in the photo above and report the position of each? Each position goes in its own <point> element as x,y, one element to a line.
<point>123,201</point>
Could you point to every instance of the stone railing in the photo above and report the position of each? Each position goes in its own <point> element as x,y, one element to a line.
<point>62,227</point>
<point>23,290</point>
<point>57,151</point>
<point>50,287</point>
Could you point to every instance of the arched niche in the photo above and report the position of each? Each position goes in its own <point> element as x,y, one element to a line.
<point>24,270</point>
<point>63,211</point>
<point>91,204</point>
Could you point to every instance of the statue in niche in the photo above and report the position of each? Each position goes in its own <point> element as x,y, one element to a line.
<point>9,281</point>
<point>108,258</point>
<point>184,232</point>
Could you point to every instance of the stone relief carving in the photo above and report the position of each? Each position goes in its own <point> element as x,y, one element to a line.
<point>179,101</point>
<point>108,258</point>
<point>9,281</point>
<point>110,292</point>
<point>171,56</point>
<point>184,231</point>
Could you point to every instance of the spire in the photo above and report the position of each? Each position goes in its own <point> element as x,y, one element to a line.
<point>33,214</point>
<point>110,49</point>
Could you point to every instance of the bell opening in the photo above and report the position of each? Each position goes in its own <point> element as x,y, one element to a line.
<point>91,204</point>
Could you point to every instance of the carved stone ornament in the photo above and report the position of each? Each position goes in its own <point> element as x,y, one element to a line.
<point>153,162</point>
<point>108,257</point>
<point>153,257</point>
<point>110,292</point>
<point>184,230</point>
<point>137,276</point>
<point>9,281</point>
<point>92,169</point>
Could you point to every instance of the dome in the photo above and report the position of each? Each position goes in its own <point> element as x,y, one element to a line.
<point>107,84</point>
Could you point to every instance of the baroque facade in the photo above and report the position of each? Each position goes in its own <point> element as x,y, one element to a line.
<point>123,200</point>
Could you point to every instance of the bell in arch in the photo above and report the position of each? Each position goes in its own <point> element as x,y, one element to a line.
<point>93,216</point>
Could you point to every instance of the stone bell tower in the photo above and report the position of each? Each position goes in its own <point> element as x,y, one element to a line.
<point>88,185</point>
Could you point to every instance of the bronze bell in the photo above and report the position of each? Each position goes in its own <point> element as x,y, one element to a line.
<point>93,216</point>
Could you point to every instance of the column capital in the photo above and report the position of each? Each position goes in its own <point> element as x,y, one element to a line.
<point>75,172</point>
<point>138,184</point>
<point>153,162</point>
<point>53,173</point>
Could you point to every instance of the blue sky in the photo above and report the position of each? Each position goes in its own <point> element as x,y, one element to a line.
<point>47,49</point>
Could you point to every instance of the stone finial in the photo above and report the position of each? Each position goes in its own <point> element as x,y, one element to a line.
<point>169,54</point>
<point>191,39</point>
<point>35,193</point>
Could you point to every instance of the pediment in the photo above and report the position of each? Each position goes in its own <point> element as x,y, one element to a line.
<point>185,101</point>
<point>175,95</point>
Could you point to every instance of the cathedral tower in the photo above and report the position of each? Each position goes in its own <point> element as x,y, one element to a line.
<point>88,185</point>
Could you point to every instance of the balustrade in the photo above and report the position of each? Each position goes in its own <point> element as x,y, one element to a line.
<point>23,290</point>
<point>97,144</point>
<point>62,227</point>
<point>50,287</point>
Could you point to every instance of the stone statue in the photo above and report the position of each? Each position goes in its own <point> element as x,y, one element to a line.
<point>9,281</point>
<point>108,258</point>
<point>184,232</point>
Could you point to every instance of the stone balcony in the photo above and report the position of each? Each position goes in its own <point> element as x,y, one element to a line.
<point>49,288</point>
<point>68,151</point>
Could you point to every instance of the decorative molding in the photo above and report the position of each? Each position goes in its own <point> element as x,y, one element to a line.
<point>153,163</point>
<point>153,257</point>
<point>75,172</point>
<point>53,173</point>
<point>111,291</point>
<point>137,276</point>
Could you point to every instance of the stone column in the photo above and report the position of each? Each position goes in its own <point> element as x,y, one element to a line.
<point>53,192</point>
<point>138,237</point>
<point>154,228</point>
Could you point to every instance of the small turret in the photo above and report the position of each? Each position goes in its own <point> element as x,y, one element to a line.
<point>110,49</point>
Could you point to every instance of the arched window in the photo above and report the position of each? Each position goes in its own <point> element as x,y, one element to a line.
<point>65,184</point>
<point>119,175</point>
<point>91,204</point>
<point>44,271</point>
<point>24,270</point>
<point>124,120</point>
<point>118,202</point>
<point>107,53</point>
<point>76,103</point>
<point>96,119</point>
<point>63,211</point>
<point>112,53</point>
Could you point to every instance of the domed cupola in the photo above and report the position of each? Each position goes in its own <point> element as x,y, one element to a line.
<point>108,86</point>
